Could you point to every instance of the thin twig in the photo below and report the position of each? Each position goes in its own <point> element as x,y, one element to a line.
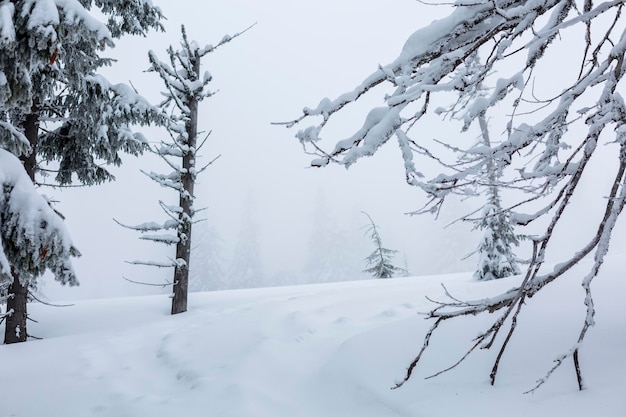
<point>147,283</point>
<point>48,304</point>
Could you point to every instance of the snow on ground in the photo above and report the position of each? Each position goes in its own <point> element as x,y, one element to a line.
<point>315,351</point>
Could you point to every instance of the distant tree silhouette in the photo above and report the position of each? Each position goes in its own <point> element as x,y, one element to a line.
<point>380,261</point>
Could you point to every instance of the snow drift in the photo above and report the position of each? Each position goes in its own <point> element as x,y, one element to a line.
<point>316,350</point>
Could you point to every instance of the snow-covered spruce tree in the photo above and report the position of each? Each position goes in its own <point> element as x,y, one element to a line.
<point>496,258</point>
<point>185,87</point>
<point>495,251</point>
<point>33,239</point>
<point>54,106</point>
<point>380,262</point>
<point>551,133</point>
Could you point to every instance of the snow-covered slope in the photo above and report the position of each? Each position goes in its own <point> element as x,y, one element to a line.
<point>316,351</point>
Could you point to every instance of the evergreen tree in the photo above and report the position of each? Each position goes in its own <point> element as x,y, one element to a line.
<point>495,256</point>
<point>55,107</point>
<point>380,261</point>
<point>495,251</point>
<point>186,87</point>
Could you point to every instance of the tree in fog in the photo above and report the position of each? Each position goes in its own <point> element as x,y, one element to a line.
<point>246,266</point>
<point>331,254</point>
<point>379,263</point>
<point>496,257</point>
<point>483,57</point>
<point>186,86</point>
<point>207,259</point>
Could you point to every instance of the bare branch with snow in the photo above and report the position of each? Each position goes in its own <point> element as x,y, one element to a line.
<point>487,55</point>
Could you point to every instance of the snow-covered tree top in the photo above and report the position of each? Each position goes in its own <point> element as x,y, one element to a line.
<point>41,37</point>
<point>181,74</point>
<point>49,63</point>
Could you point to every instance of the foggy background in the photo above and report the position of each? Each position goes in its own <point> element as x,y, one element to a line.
<point>260,189</point>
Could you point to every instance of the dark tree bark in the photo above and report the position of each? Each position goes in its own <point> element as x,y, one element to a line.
<point>183,247</point>
<point>15,330</point>
<point>15,327</point>
<point>185,89</point>
<point>31,131</point>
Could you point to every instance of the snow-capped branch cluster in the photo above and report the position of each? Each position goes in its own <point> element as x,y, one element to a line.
<point>485,55</point>
<point>181,75</point>
<point>99,126</point>
<point>51,55</point>
<point>33,236</point>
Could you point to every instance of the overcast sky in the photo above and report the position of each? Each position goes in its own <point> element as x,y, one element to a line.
<point>295,55</point>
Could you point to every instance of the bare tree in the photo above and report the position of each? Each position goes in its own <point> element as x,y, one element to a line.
<point>490,54</point>
<point>186,87</point>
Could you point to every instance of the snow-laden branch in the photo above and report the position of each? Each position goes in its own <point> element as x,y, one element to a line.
<point>166,238</point>
<point>13,139</point>
<point>151,226</point>
<point>444,51</point>
<point>157,264</point>
<point>34,237</point>
<point>485,55</point>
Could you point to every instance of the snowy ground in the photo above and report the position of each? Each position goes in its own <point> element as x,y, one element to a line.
<point>315,350</point>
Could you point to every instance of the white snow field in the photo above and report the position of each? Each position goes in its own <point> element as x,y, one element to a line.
<point>317,351</point>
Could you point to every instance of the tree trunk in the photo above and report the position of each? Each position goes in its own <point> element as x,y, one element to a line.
<point>183,247</point>
<point>31,131</point>
<point>15,330</point>
<point>183,251</point>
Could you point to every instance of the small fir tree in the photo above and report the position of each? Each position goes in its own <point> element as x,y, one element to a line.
<point>495,256</point>
<point>246,269</point>
<point>495,251</point>
<point>380,261</point>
